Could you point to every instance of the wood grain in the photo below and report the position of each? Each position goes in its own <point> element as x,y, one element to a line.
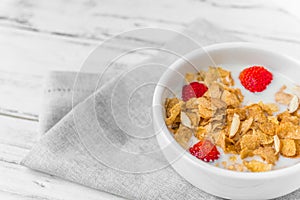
<point>38,36</point>
<point>20,182</point>
<point>29,30</point>
<point>100,20</point>
<point>67,37</point>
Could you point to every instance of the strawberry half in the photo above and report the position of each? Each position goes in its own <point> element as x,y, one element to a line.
<point>205,150</point>
<point>194,89</point>
<point>256,78</point>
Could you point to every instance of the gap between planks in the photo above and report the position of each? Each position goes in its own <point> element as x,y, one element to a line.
<point>19,115</point>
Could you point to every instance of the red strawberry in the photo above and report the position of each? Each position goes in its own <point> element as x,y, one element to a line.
<point>192,90</point>
<point>205,150</point>
<point>256,78</point>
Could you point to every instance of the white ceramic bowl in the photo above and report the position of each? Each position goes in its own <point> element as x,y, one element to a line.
<point>211,179</point>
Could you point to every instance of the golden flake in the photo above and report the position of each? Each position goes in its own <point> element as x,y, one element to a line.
<point>257,166</point>
<point>183,136</point>
<point>282,97</point>
<point>288,148</point>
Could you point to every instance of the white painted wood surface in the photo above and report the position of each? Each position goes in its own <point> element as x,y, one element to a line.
<point>38,36</point>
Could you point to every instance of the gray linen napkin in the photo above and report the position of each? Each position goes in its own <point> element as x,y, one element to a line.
<point>80,128</point>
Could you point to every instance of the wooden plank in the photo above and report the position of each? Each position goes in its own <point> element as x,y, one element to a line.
<point>18,182</point>
<point>98,19</point>
<point>20,94</point>
<point>21,83</point>
<point>103,19</point>
<point>35,53</point>
<point>24,64</point>
<point>31,30</point>
<point>17,133</point>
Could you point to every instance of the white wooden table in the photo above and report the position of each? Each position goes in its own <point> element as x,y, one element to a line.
<point>37,36</point>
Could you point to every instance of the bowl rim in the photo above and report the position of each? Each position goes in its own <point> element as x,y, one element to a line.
<point>158,114</point>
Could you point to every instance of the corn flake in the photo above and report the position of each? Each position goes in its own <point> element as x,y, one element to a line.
<point>252,130</point>
<point>174,112</point>
<point>250,142</point>
<point>170,103</point>
<point>205,108</point>
<point>192,104</point>
<point>257,166</point>
<point>246,153</point>
<point>288,148</point>
<point>230,99</point>
<point>282,97</point>
<point>183,136</point>
<point>268,127</point>
<point>267,153</point>
<point>288,130</point>
<point>257,113</point>
<point>189,77</point>
<point>264,139</point>
<point>288,117</point>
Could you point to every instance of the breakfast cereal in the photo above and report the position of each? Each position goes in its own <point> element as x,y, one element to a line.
<point>282,97</point>
<point>218,117</point>
<point>257,166</point>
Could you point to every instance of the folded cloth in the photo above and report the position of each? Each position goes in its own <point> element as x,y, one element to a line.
<point>99,133</point>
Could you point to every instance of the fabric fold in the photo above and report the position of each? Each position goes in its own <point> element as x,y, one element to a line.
<point>85,130</point>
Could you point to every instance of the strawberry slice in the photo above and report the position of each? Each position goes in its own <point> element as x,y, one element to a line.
<point>256,78</point>
<point>205,150</point>
<point>194,89</point>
